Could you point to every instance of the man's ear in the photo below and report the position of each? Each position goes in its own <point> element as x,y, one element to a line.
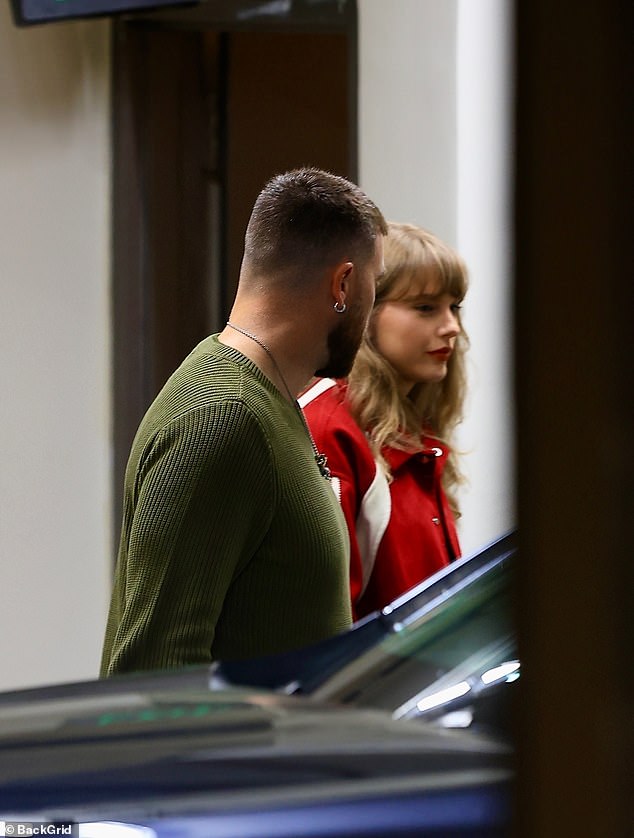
<point>340,282</point>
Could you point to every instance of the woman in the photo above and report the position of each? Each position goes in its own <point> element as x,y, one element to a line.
<point>387,430</point>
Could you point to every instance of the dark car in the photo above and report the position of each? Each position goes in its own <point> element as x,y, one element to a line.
<point>445,651</point>
<point>399,727</point>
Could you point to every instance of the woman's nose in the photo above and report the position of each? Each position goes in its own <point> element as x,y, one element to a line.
<point>450,324</point>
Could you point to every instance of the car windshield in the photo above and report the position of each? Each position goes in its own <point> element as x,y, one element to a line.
<point>441,658</point>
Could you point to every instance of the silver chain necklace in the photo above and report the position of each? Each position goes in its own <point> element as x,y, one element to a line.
<point>320,459</point>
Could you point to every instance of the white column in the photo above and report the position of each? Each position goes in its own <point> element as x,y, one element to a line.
<point>484,238</point>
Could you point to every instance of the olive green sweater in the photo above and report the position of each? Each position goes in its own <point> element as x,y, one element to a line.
<point>232,544</point>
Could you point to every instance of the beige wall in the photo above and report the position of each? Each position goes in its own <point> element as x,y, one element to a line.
<point>54,337</point>
<point>408,110</point>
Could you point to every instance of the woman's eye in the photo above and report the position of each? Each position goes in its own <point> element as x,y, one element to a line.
<point>425,309</point>
<point>456,307</point>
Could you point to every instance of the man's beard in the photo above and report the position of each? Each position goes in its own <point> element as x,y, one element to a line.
<point>343,344</point>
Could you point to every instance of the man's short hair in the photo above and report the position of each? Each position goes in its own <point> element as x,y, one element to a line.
<point>306,219</point>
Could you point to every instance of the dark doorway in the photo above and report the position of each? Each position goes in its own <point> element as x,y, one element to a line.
<point>209,103</point>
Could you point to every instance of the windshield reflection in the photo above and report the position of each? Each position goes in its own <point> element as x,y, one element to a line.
<point>450,662</point>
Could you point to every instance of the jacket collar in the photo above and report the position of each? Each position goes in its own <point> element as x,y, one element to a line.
<point>433,452</point>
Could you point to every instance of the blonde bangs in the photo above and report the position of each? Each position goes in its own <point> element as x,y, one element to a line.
<point>418,262</point>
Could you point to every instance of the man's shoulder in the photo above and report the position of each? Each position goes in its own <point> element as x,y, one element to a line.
<point>209,385</point>
<point>213,373</point>
<point>210,365</point>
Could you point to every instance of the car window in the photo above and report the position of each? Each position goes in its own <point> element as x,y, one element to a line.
<point>443,659</point>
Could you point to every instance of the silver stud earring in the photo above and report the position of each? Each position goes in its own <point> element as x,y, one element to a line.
<point>339,307</point>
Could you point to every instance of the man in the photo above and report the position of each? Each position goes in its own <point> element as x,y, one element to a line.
<point>233,544</point>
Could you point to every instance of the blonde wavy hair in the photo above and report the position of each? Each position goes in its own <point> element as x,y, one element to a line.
<point>415,261</point>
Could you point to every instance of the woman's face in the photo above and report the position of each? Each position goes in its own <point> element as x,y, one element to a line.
<point>417,335</point>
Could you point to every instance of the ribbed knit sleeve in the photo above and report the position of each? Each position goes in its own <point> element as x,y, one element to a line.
<point>194,528</point>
